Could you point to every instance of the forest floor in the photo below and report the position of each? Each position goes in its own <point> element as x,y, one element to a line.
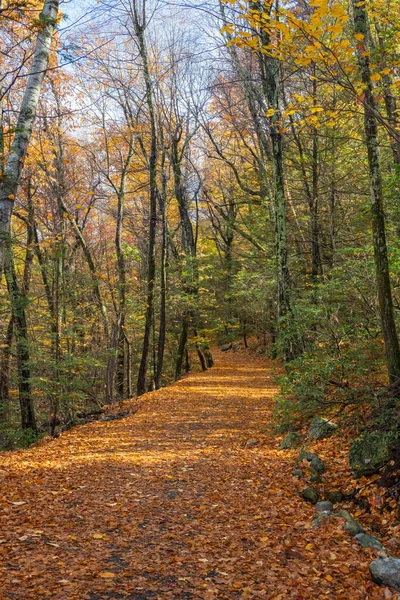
<point>170,502</point>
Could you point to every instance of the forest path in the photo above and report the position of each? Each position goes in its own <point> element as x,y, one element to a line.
<point>170,503</point>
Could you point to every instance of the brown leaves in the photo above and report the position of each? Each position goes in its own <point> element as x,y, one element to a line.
<point>169,503</point>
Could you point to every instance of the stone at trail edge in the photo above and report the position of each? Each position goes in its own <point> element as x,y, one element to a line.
<point>225,347</point>
<point>324,506</point>
<point>368,541</point>
<point>352,526</point>
<point>334,496</point>
<point>252,443</point>
<point>321,428</point>
<point>315,476</point>
<point>320,519</point>
<point>393,543</point>
<point>291,440</point>
<point>386,571</point>
<point>313,459</point>
<point>297,473</point>
<point>370,452</point>
<point>310,494</point>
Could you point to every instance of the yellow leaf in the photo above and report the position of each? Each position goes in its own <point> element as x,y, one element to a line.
<point>359,36</point>
<point>106,575</point>
<point>337,10</point>
<point>270,112</point>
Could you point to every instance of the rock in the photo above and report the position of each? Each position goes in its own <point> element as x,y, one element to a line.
<point>386,571</point>
<point>370,452</point>
<point>315,476</point>
<point>320,519</point>
<point>310,494</point>
<point>321,428</point>
<point>291,440</point>
<point>324,507</point>
<point>297,473</point>
<point>393,543</point>
<point>236,347</point>
<point>225,347</point>
<point>351,525</point>
<point>313,459</point>
<point>334,496</point>
<point>252,443</point>
<point>368,541</point>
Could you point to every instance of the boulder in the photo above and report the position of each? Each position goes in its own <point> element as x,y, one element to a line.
<point>310,494</point>
<point>370,452</point>
<point>334,496</point>
<point>368,541</point>
<point>314,460</point>
<point>321,428</point>
<point>297,473</point>
<point>352,526</point>
<point>225,347</point>
<point>386,571</point>
<point>320,519</point>
<point>393,544</point>
<point>315,476</point>
<point>252,443</point>
<point>291,440</point>
<point>324,507</point>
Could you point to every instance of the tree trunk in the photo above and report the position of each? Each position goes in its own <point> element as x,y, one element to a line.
<point>5,370</point>
<point>18,303</point>
<point>361,25</point>
<point>139,31</point>
<point>163,277</point>
<point>26,118</point>
<point>181,350</point>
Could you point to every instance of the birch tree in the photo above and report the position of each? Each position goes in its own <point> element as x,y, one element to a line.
<point>26,118</point>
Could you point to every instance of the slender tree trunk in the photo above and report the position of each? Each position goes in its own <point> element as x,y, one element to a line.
<point>5,370</point>
<point>361,25</point>
<point>139,28</point>
<point>191,273</point>
<point>271,81</point>
<point>26,118</point>
<point>163,277</point>
<point>121,296</point>
<point>18,303</point>
<point>181,350</point>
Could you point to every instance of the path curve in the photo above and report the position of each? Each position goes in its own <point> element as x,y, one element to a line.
<point>171,503</point>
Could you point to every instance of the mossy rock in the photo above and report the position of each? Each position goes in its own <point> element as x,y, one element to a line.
<point>352,526</point>
<point>321,428</point>
<point>291,440</point>
<point>310,494</point>
<point>334,496</point>
<point>370,452</point>
<point>314,460</point>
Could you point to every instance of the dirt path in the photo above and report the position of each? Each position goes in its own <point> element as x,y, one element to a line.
<point>170,503</point>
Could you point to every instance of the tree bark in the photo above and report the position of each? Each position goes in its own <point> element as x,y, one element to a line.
<point>139,28</point>
<point>26,118</point>
<point>18,304</point>
<point>361,25</point>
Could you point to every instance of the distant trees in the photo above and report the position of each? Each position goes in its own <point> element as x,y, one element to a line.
<point>175,196</point>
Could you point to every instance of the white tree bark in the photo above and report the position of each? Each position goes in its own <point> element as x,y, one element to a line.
<point>26,118</point>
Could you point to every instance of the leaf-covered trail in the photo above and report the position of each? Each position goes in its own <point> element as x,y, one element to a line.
<point>170,503</point>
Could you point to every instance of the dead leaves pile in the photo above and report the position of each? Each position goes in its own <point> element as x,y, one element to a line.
<point>170,503</point>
